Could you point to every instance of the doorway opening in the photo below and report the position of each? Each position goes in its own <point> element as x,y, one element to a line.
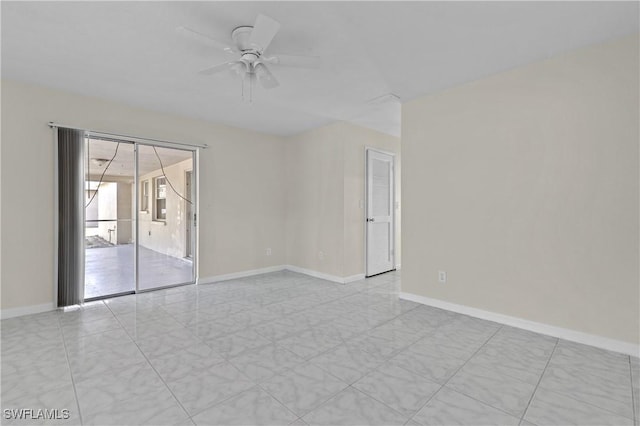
<point>380,212</point>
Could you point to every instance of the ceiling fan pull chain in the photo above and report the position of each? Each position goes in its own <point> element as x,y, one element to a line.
<point>251,88</point>
<point>242,88</point>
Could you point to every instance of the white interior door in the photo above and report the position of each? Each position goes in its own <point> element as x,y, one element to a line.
<point>380,212</point>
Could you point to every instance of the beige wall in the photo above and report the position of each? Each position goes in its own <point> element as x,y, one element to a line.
<point>315,202</point>
<point>169,236</point>
<point>125,210</point>
<point>107,200</point>
<point>114,202</point>
<point>325,186</point>
<point>524,187</point>
<point>241,179</point>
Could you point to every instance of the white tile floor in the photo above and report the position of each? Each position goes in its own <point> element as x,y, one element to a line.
<point>284,348</point>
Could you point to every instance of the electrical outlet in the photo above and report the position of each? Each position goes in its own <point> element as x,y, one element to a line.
<point>321,255</point>
<point>269,251</point>
<point>442,276</point>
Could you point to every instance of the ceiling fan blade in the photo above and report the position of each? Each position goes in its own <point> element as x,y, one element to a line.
<point>264,30</point>
<point>204,39</point>
<point>294,61</point>
<point>266,79</point>
<point>217,68</point>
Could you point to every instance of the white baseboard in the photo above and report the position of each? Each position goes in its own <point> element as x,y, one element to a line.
<point>549,330</point>
<point>352,278</point>
<point>316,274</point>
<point>241,274</point>
<point>310,272</point>
<point>398,266</point>
<point>26,310</point>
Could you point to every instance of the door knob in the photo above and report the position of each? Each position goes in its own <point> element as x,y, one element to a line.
<point>371,219</point>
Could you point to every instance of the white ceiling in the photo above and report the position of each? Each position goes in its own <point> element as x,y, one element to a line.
<point>130,52</point>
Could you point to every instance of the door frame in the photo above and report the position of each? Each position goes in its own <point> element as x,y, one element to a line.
<point>195,159</point>
<point>365,212</point>
<point>189,228</point>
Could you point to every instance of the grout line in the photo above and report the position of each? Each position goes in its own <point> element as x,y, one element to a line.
<point>408,417</point>
<point>539,380</point>
<point>456,372</point>
<point>73,383</point>
<point>633,395</point>
<point>152,367</point>
<point>574,398</point>
<point>277,400</point>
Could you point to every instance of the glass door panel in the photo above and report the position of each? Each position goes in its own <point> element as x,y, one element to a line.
<point>165,217</point>
<point>109,218</point>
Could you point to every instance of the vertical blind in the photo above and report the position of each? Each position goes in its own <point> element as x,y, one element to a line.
<point>70,216</point>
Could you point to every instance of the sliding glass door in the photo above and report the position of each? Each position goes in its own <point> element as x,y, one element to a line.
<point>109,218</point>
<point>166,201</point>
<point>139,217</point>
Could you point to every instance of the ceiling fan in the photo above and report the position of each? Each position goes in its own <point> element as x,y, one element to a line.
<point>249,44</point>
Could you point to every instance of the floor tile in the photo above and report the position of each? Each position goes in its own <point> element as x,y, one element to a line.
<point>549,408</point>
<point>104,361</point>
<point>303,388</point>
<point>503,392</point>
<point>435,366</point>
<point>349,362</point>
<point>168,343</point>
<point>157,407</point>
<point>613,394</point>
<point>32,348</point>
<point>351,407</point>
<point>455,345</point>
<point>91,327</point>
<point>96,342</point>
<point>251,407</point>
<point>310,342</point>
<point>280,329</point>
<point>187,361</point>
<point>58,398</point>
<point>37,377</point>
<point>521,365</point>
<point>265,362</point>
<point>235,344</point>
<point>401,390</point>
<point>202,389</point>
<point>158,327</point>
<point>448,407</point>
<point>635,372</point>
<point>124,384</point>
<point>589,357</point>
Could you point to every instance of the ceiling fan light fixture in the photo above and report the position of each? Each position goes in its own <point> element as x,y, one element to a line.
<point>239,68</point>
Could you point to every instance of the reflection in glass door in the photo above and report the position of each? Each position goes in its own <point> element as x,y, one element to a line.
<point>109,218</point>
<point>166,206</point>
<point>139,217</point>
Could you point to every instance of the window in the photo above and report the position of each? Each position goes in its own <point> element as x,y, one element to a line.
<point>161,199</point>
<point>144,196</point>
